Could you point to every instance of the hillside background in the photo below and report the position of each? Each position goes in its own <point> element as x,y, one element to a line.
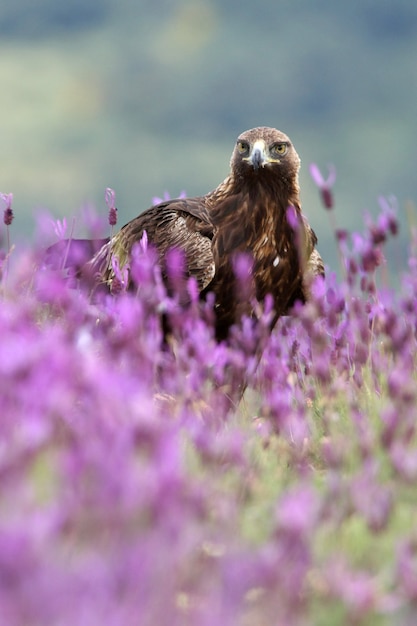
<point>149,96</point>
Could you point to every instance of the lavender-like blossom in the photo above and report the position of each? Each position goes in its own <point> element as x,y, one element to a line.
<point>166,197</point>
<point>110,198</point>
<point>121,276</point>
<point>135,485</point>
<point>324,185</point>
<point>8,215</point>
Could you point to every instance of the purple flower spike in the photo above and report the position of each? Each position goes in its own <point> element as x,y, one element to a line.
<point>325,186</point>
<point>121,277</point>
<point>8,213</point>
<point>113,216</point>
<point>292,218</point>
<point>143,243</point>
<point>110,198</point>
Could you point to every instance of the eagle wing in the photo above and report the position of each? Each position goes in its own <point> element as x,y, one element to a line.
<point>182,224</point>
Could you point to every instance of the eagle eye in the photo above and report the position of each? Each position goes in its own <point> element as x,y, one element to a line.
<point>243,147</point>
<point>279,148</point>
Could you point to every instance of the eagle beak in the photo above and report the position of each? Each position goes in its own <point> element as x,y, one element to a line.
<point>258,157</point>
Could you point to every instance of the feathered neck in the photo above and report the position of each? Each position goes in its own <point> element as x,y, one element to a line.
<point>256,192</point>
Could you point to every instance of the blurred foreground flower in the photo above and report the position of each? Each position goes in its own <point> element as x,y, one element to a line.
<point>166,197</point>
<point>324,185</point>
<point>8,213</point>
<point>133,491</point>
<point>110,198</point>
<point>8,217</point>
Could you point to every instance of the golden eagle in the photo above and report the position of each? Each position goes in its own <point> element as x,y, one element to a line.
<point>255,211</point>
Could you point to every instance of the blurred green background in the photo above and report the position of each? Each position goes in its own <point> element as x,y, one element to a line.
<point>149,96</point>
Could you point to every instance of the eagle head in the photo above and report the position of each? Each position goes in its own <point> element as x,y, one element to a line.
<point>264,151</point>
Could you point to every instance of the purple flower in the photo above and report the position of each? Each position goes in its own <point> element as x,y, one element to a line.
<point>143,243</point>
<point>297,511</point>
<point>407,568</point>
<point>131,477</point>
<point>113,216</point>
<point>293,218</point>
<point>324,185</point>
<point>8,213</point>
<point>121,276</point>
<point>166,197</point>
<point>404,461</point>
<point>357,589</point>
<point>110,198</point>
<point>388,218</point>
<point>371,499</point>
<point>385,225</point>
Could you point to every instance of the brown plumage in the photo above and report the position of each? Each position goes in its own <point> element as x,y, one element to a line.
<point>246,213</point>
